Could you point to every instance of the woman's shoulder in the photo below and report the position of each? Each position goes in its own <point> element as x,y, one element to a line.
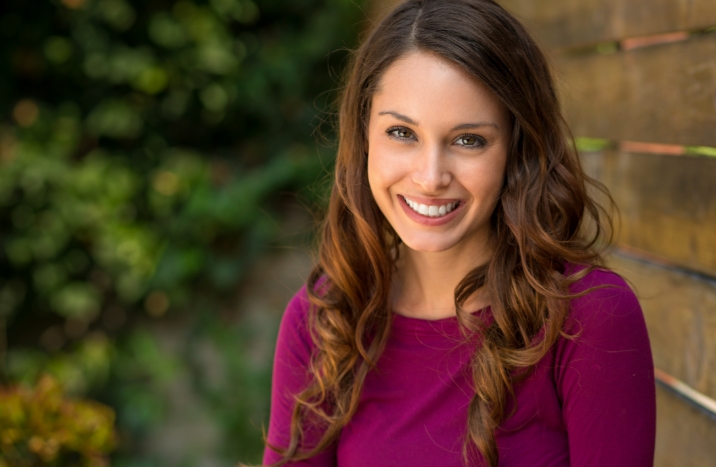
<point>294,329</point>
<point>298,306</point>
<point>597,277</point>
<point>600,286</point>
<point>605,308</point>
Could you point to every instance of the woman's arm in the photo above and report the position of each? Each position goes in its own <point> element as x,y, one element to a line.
<point>605,378</point>
<point>290,376</point>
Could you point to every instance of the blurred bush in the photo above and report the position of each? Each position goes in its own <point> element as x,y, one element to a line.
<point>148,153</point>
<point>40,427</point>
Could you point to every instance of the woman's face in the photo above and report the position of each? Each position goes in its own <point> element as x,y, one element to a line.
<point>437,148</point>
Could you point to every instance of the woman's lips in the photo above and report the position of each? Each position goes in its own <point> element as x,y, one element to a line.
<point>431,202</point>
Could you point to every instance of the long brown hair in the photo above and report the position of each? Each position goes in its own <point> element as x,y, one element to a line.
<point>540,225</point>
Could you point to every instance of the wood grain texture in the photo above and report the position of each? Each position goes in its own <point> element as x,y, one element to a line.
<point>664,94</point>
<point>569,23</point>
<point>667,204</point>
<point>680,312</point>
<point>684,436</point>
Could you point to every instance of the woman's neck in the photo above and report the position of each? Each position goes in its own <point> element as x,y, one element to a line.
<point>425,282</point>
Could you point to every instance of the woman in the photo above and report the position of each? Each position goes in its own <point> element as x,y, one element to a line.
<point>456,314</point>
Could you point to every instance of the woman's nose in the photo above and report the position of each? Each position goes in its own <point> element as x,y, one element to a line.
<point>431,171</point>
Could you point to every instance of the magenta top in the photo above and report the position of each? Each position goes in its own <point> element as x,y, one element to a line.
<point>589,403</point>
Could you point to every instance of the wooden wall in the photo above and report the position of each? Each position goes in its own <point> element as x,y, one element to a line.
<point>637,80</point>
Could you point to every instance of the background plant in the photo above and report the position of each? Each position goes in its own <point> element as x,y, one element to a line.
<point>149,154</point>
<point>40,426</point>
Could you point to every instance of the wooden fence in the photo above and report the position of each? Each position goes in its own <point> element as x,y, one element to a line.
<point>637,80</point>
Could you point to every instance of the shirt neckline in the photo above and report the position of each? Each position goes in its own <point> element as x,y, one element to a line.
<point>448,325</point>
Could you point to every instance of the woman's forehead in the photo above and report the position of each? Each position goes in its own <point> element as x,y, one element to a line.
<point>425,86</point>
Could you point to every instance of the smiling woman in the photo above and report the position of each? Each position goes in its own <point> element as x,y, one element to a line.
<point>458,314</point>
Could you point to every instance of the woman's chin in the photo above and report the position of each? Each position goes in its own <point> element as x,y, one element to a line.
<point>457,240</point>
<point>423,245</point>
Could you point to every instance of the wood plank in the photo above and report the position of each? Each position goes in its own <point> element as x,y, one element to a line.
<point>667,204</point>
<point>680,312</point>
<point>684,436</point>
<point>664,94</point>
<point>569,23</point>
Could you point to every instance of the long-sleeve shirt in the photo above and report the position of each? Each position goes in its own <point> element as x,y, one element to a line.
<point>590,401</point>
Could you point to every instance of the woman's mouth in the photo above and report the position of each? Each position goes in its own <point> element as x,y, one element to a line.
<point>431,212</point>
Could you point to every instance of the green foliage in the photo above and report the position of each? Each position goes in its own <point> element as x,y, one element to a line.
<point>148,151</point>
<point>41,427</point>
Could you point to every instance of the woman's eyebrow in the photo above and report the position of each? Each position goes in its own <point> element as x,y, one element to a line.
<point>462,126</point>
<point>472,126</point>
<point>400,117</point>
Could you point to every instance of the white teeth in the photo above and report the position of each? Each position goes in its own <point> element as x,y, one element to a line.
<point>431,211</point>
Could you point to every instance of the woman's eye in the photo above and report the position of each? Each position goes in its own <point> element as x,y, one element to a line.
<point>472,141</point>
<point>400,133</point>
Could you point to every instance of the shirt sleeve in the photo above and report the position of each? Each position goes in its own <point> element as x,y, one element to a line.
<point>605,377</point>
<point>290,376</point>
